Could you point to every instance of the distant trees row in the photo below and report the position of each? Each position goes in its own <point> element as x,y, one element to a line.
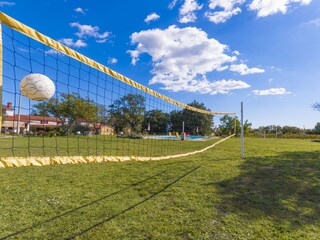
<point>127,114</point>
<point>226,127</point>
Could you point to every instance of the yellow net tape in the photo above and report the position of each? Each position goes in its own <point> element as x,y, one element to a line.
<point>20,27</point>
<point>42,161</point>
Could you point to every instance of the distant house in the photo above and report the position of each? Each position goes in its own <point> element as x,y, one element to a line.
<point>104,129</point>
<point>26,123</point>
<point>10,123</point>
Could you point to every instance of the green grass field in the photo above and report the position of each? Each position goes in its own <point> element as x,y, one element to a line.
<point>274,193</point>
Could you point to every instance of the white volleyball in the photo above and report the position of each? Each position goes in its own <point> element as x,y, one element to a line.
<point>37,87</point>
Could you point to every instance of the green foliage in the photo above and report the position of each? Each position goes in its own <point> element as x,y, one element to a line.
<point>176,120</point>
<point>317,128</point>
<point>197,121</point>
<point>193,121</point>
<point>40,109</point>
<point>226,126</point>
<point>69,109</point>
<point>128,112</point>
<point>158,121</point>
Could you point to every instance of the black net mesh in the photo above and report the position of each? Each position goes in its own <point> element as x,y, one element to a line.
<point>90,113</point>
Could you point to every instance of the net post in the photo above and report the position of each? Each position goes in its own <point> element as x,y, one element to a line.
<point>235,125</point>
<point>1,77</point>
<point>242,133</point>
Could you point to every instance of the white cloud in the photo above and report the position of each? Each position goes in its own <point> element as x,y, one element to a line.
<point>3,3</point>
<point>70,43</point>
<point>315,22</point>
<point>112,60</point>
<point>172,4</point>
<point>236,52</point>
<point>268,7</point>
<point>271,91</point>
<point>182,57</point>
<point>228,11</point>
<point>243,69</point>
<point>222,16</point>
<point>202,86</point>
<point>85,31</point>
<point>225,4</point>
<point>80,10</point>
<point>152,17</point>
<point>186,12</point>
<point>52,52</point>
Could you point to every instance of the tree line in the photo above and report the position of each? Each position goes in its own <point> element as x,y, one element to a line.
<point>129,114</point>
<point>126,114</point>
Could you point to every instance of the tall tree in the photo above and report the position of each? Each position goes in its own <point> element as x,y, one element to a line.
<point>317,128</point>
<point>176,121</point>
<point>127,112</point>
<point>226,126</point>
<point>158,121</point>
<point>69,109</point>
<point>195,123</point>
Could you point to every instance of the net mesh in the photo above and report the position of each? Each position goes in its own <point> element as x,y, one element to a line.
<point>91,112</point>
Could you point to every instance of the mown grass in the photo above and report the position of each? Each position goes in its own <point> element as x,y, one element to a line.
<point>96,146</point>
<point>274,193</point>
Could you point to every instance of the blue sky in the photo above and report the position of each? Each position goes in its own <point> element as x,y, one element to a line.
<point>263,52</point>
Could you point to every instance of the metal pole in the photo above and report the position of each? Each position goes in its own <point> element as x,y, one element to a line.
<point>18,123</point>
<point>242,133</point>
<point>1,118</point>
<point>235,125</point>
<point>182,127</point>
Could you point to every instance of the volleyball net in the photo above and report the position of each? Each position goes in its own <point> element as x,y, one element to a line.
<point>95,114</point>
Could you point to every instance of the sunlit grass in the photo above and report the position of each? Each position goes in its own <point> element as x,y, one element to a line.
<point>272,194</point>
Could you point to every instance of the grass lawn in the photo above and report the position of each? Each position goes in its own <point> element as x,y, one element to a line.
<point>272,194</point>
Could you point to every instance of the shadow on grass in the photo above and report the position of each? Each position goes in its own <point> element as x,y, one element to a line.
<point>283,188</point>
<point>132,206</point>
<point>81,207</point>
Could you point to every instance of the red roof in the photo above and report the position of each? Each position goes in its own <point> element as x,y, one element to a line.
<point>7,108</point>
<point>27,118</point>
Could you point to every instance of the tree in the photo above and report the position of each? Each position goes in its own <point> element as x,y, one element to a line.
<point>69,109</point>
<point>128,112</point>
<point>157,119</point>
<point>317,128</point>
<point>226,126</point>
<point>176,119</point>
<point>40,109</point>
<point>194,122</point>
<point>291,130</point>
